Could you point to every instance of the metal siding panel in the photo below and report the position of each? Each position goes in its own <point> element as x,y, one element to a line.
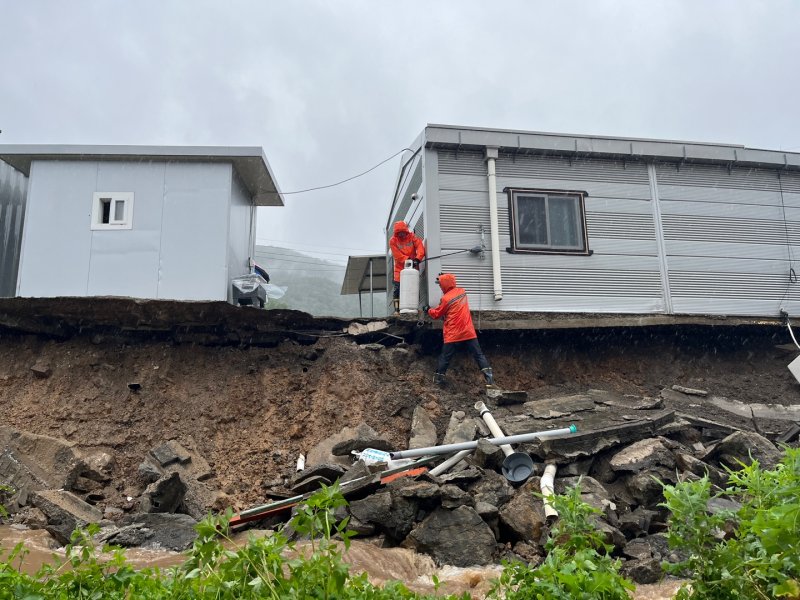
<point>57,240</point>
<point>125,262</point>
<point>13,194</point>
<point>194,232</point>
<point>623,274</point>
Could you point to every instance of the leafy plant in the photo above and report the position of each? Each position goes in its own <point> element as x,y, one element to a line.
<point>216,566</point>
<point>577,566</point>
<point>749,553</point>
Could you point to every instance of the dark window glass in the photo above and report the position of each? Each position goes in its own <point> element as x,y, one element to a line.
<point>548,221</point>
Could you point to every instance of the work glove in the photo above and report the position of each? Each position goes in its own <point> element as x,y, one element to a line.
<point>415,262</point>
<point>425,308</point>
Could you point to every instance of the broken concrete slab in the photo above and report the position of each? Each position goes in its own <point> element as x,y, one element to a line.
<point>31,462</point>
<point>169,453</point>
<point>201,499</point>
<point>330,472</point>
<point>488,456</point>
<point>503,397</point>
<point>745,447</point>
<point>392,514</point>
<point>65,512</point>
<point>642,455</point>
<point>626,402</point>
<point>586,443</point>
<point>561,406</point>
<point>359,438</point>
<point>357,329</point>
<point>689,391</point>
<point>164,495</point>
<point>98,465</point>
<point>154,530</point>
<point>774,412</point>
<point>423,431</point>
<point>42,369</point>
<point>523,517</point>
<point>460,428</point>
<point>309,484</point>
<point>458,537</point>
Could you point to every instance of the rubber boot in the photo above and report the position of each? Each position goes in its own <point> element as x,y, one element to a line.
<point>397,306</point>
<point>438,379</point>
<point>489,377</point>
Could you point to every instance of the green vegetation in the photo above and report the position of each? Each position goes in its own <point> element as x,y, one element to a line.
<point>577,566</point>
<point>267,567</point>
<point>751,552</point>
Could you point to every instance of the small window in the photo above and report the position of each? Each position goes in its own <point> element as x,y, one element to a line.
<point>547,221</point>
<point>112,210</point>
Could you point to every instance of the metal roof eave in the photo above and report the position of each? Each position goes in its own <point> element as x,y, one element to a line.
<point>357,273</point>
<point>529,142</point>
<point>250,163</point>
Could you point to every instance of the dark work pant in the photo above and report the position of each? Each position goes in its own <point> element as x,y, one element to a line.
<point>449,350</point>
<point>396,292</point>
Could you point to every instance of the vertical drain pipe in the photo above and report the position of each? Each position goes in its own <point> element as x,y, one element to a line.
<point>546,485</point>
<point>491,157</point>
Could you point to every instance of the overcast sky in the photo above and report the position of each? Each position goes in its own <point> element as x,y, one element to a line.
<point>330,88</point>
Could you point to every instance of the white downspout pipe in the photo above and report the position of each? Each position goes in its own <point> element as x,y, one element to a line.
<point>547,484</point>
<point>491,157</point>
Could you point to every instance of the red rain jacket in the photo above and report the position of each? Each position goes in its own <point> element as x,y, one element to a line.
<point>404,247</point>
<point>454,309</point>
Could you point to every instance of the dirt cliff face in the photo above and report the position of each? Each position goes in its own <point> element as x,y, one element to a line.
<point>250,411</point>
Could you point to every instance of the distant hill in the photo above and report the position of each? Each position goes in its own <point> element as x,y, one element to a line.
<point>313,284</point>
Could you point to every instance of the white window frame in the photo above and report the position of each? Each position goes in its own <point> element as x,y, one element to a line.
<point>580,225</point>
<point>100,198</point>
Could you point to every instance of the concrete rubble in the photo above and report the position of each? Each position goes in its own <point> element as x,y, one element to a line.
<point>467,515</point>
<point>625,446</point>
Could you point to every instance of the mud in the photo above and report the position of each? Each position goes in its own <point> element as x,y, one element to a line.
<point>250,411</point>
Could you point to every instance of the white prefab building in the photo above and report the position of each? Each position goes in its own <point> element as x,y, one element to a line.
<point>588,224</point>
<point>144,222</point>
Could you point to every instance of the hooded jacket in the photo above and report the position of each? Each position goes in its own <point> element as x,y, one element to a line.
<point>454,309</point>
<point>404,247</point>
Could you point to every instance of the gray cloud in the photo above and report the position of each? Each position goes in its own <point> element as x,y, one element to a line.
<point>331,88</point>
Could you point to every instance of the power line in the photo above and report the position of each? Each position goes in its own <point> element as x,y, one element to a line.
<point>323,187</point>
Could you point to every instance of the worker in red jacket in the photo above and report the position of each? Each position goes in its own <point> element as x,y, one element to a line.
<point>458,329</point>
<point>405,246</point>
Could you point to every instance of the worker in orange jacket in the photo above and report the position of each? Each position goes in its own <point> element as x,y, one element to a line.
<point>458,329</point>
<point>405,246</point>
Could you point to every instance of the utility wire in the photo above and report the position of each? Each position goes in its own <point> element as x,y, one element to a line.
<point>324,187</point>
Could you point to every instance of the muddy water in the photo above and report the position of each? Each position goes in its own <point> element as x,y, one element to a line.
<point>381,564</point>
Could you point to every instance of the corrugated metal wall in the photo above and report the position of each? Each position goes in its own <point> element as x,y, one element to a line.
<point>13,193</point>
<point>731,237</point>
<point>622,275</point>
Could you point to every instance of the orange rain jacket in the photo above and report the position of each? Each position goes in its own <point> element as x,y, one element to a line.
<point>454,309</point>
<point>405,246</point>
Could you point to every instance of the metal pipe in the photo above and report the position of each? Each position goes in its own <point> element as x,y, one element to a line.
<point>491,156</point>
<point>498,441</point>
<point>547,484</point>
<point>493,426</point>
<point>450,462</point>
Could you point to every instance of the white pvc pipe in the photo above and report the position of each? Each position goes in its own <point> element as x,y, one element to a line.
<point>547,484</point>
<point>450,462</point>
<point>494,227</point>
<point>498,441</point>
<point>493,426</point>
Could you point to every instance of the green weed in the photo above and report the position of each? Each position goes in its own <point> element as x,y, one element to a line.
<point>577,566</point>
<point>752,552</point>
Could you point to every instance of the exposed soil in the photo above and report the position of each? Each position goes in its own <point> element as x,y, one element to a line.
<point>251,410</point>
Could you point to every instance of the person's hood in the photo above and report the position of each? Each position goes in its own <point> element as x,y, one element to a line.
<point>447,281</point>
<point>400,226</point>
